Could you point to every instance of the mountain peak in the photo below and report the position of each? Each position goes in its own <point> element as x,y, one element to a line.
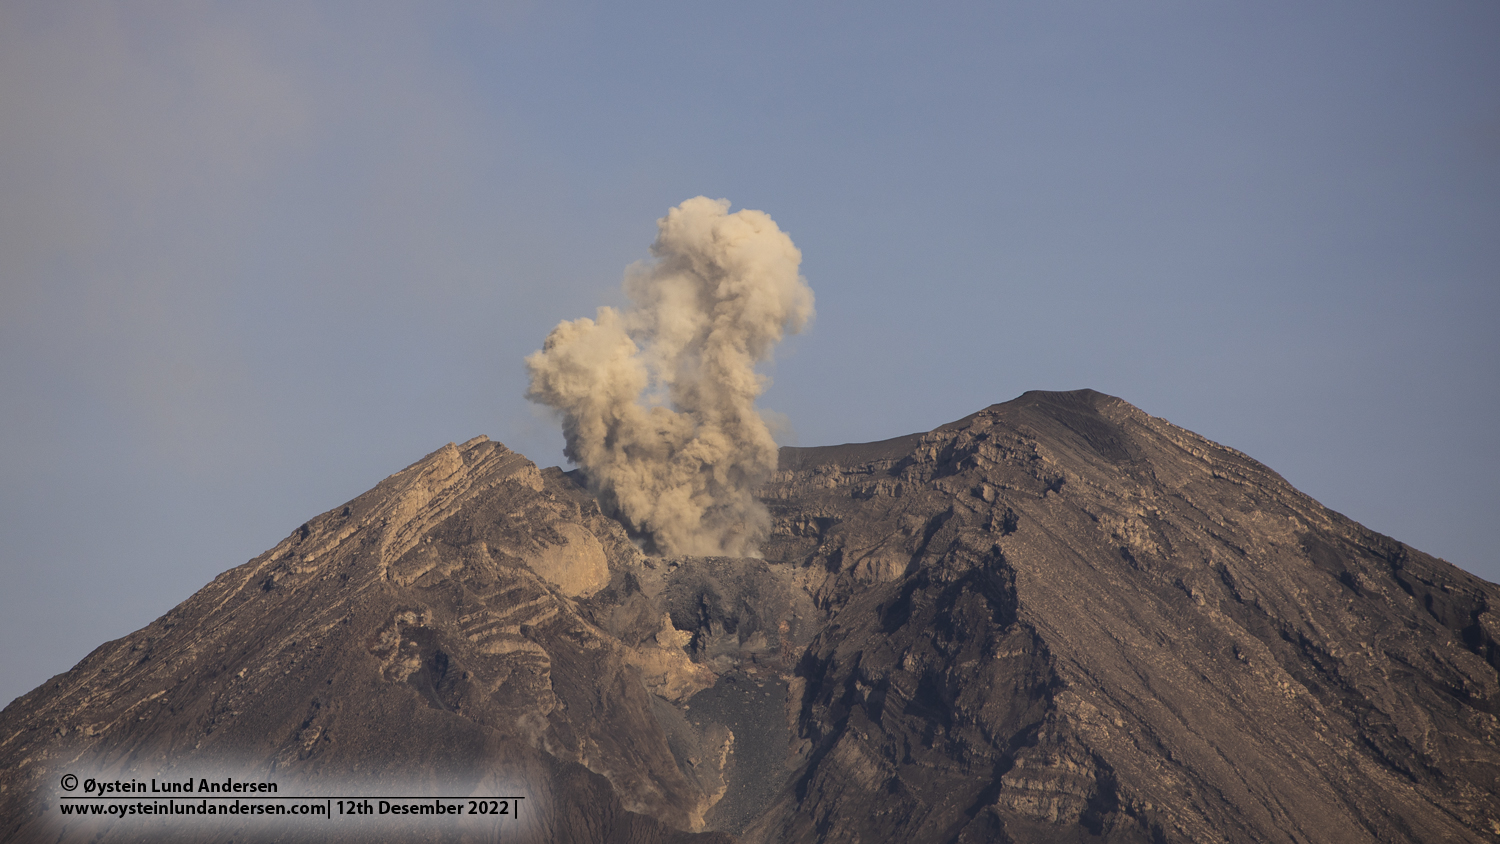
<point>1059,618</point>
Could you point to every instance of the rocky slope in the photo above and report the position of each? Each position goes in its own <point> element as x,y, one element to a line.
<point>1063,619</point>
<point>1059,619</point>
<point>437,632</point>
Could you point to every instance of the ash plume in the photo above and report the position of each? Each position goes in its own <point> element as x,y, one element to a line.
<point>658,401</point>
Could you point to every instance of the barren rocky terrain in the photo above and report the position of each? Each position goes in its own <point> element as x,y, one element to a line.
<point>1059,619</point>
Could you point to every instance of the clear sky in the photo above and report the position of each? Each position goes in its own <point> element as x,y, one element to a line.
<point>256,257</point>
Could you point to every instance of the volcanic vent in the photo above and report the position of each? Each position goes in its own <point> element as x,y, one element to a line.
<point>1058,619</point>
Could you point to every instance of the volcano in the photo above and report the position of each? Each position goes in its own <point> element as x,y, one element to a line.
<point>1059,619</point>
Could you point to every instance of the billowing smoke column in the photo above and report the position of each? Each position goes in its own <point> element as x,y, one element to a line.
<point>658,401</point>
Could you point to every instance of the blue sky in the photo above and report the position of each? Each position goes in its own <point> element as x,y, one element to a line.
<point>256,257</point>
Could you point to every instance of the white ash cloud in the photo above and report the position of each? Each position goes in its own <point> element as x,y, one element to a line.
<point>658,400</point>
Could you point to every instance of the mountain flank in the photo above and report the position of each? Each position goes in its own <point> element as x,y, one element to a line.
<point>1058,619</point>
<point>1061,618</point>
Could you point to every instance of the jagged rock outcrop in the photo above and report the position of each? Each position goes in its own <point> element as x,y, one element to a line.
<point>1063,619</point>
<point>438,629</point>
<point>1059,619</point>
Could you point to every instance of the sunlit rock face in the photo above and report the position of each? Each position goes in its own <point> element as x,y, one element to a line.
<point>1058,619</point>
<point>444,630</point>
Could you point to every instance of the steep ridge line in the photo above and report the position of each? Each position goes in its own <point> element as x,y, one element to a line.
<point>1057,619</point>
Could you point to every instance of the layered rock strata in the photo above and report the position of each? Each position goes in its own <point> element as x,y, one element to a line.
<point>1059,619</point>
<point>445,631</point>
<point>1063,619</point>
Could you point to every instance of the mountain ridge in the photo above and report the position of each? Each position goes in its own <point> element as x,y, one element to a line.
<point>1058,618</point>
<point>1072,501</point>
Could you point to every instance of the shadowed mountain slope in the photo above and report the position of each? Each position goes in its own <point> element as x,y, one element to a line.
<point>1059,619</point>
<point>1063,619</point>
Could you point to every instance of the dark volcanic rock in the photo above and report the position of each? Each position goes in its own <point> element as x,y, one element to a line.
<point>1059,619</point>
<point>1063,619</point>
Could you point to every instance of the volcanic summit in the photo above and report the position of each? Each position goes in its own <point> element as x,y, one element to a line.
<point>1057,619</point>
